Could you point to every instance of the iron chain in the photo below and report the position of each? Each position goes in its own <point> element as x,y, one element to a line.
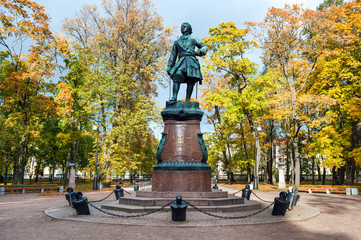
<point>127,191</point>
<point>255,195</point>
<point>225,217</point>
<point>261,198</point>
<point>238,192</point>
<point>131,216</point>
<point>103,198</point>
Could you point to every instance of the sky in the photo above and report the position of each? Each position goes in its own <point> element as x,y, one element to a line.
<point>201,14</point>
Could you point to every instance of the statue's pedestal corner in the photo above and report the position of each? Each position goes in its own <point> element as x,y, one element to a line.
<point>178,110</point>
<point>180,104</point>
<point>171,102</point>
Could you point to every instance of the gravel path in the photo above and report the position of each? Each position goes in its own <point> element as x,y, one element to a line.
<point>22,217</point>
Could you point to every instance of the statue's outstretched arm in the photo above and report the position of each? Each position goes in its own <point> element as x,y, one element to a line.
<point>202,48</point>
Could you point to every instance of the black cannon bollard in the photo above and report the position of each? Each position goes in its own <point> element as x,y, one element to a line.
<point>136,187</point>
<point>80,204</point>
<point>73,197</point>
<point>293,197</point>
<point>215,185</point>
<point>246,192</point>
<point>280,204</point>
<point>119,192</point>
<point>179,209</point>
<point>70,195</point>
<point>296,199</point>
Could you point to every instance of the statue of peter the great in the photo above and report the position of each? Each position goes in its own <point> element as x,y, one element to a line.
<point>187,68</point>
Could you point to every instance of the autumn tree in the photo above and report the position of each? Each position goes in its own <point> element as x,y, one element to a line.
<point>291,52</point>
<point>75,119</point>
<point>8,141</point>
<point>226,97</point>
<point>338,77</point>
<point>123,50</point>
<point>27,63</point>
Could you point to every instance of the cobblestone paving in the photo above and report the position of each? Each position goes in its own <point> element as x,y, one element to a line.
<point>22,217</point>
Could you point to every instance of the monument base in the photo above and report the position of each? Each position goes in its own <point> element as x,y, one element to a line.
<point>181,181</point>
<point>215,193</point>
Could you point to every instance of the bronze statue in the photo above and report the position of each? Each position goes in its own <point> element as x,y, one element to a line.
<point>187,68</point>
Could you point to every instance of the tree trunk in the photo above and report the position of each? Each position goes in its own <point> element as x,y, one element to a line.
<point>271,162</point>
<point>288,167</point>
<point>26,157</point>
<point>294,135</point>
<point>249,171</point>
<point>324,176</point>
<point>68,159</point>
<point>50,174</point>
<point>297,158</point>
<point>265,174</point>
<point>226,152</point>
<point>313,170</point>
<point>274,170</point>
<point>69,156</point>
<point>334,176</point>
<point>19,175</point>
<point>319,172</point>
<point>341,175</point>
<point>257,149</point>
<point>350,172</point>
<point>15,166</point>
<point>230,177</point>
<point>355,143</point>
<point>292,165</point>
<point>76,148</point>
<point>53,175</point>
<point>6,168</point>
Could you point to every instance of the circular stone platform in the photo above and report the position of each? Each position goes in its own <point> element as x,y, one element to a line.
<point>194,219</point>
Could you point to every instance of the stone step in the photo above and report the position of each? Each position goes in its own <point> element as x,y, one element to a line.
<point>141,201</point>
<point>247,206</point>
<point>158,194</point>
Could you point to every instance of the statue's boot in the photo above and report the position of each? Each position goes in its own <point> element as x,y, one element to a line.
<point>176,87</point>
<point>190,87</point>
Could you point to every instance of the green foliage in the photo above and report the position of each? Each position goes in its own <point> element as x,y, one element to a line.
<point>329,3</point>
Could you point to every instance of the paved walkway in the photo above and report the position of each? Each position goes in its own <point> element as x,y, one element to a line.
<point>22,217</point>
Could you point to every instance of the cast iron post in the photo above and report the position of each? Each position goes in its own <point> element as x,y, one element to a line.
<point>255,184</point>
<point>95,184</point>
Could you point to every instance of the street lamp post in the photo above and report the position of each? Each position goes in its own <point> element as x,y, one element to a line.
<point>255,184</point>
<point>256,163</point>
<point>95,183</point>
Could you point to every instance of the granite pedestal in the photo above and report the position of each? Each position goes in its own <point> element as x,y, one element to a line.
<point>182,155</point>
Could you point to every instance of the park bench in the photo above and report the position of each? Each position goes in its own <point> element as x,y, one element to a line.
<point>321,189</point>
<point>23,189</point>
